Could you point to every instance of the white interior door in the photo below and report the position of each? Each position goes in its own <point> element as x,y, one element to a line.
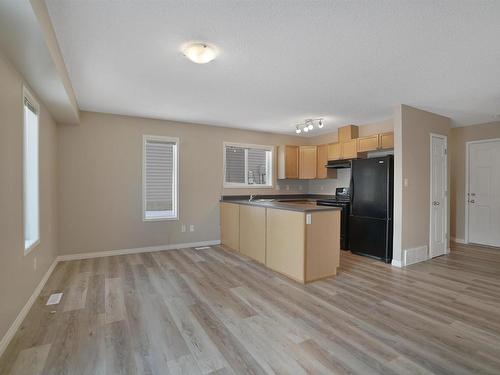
<point>438,202</point>
<point>484,193</point>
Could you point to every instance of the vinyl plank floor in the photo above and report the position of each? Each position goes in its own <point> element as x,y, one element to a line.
<point>214,311</point>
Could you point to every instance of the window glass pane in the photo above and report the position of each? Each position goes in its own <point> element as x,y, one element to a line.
<point>247,166</point>
<point>160,184</point>
<point>31,188</point>
<point>257,166</point>
<point>235,164</point>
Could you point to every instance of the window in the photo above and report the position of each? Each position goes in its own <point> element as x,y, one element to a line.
<point>248,165</point>
<point>30,173</point>
<point>160,178</point>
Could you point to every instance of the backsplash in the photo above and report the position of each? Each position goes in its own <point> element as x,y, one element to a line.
<point>328,186</point>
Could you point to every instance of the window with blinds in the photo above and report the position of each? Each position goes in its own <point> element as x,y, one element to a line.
<point>247,165</point>
<point>160,178</point>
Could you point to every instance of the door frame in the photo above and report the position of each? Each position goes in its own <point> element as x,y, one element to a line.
<point>467,178</point>
<point>446,192</point>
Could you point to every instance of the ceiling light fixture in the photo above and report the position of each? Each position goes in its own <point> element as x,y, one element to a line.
<point>309,125</point>
<point>199,53</point>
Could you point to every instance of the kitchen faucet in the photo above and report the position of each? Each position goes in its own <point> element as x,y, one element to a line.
<point>251,197</point>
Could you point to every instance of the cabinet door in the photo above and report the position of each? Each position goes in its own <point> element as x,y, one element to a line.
<point>321,170</point>
<point>285,242</point>
<point>291,161</point>
<point>346,133</point>
<point>370,143</point>
<point>230,225</point>
<point>387,141</point>
<point>253,232</point>
<point>307,162</point>
<point>334,151</point>
<point>349,149</point>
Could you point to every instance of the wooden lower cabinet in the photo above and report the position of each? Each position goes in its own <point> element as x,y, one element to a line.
<point>230,225</point>
<point>285,243</point>
<point>253,232</point>
<point>303,252</point>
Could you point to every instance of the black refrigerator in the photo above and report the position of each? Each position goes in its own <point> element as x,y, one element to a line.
<point>370,219</point>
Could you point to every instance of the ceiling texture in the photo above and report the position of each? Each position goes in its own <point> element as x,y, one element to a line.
<point>283,61</point>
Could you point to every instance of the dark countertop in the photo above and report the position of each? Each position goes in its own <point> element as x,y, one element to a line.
<point>285,203</point>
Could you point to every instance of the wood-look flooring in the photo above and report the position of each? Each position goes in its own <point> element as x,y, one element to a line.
<point>216,312</point>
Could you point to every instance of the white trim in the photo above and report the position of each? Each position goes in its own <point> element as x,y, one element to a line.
<point>137,250</point>
<point>146,138</point>
<point>228,185</point>
<point>445,139</point>
<point>397,263</point>
<point>25,310</point>
<point>458,240</point>
<point>467,177</point>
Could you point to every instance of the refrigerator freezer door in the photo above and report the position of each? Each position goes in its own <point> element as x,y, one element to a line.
<point>369,184</point>
<point>372,237</point>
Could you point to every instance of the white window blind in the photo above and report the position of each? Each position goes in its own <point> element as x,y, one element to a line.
<point>160,178</point>
<point>31,174</point>
<point>247,165</point>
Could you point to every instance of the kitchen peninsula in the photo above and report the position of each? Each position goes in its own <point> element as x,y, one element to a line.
<point>294,237</point>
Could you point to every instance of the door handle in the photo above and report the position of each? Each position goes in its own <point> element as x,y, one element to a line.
<point>435,203</point>
<point>472,201</point>
<point>473,194</point>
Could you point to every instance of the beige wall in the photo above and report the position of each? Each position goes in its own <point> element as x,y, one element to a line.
<point>414,126</point>
<point>100,167</point>
<point>458,139</point>
<point>18,279</point>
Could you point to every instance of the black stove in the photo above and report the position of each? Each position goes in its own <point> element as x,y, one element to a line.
<point>343,200</point>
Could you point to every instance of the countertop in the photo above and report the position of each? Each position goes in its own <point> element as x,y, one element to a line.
<point>296,204</point>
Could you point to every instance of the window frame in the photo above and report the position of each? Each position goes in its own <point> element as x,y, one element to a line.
<point>145,139</point>
<point>27,95</point>
<point>234,185</point>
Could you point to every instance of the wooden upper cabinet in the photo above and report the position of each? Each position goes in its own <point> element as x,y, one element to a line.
<point>288,162</point>
<point>349,149</point>
<point>307,162</point>
<point>334,151</point>
<point>322,171</point>
<point>387,141</point>
<point>346,133</point>
<point>370,143</point>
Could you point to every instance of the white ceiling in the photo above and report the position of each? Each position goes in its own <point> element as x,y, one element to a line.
<point>282,61</point>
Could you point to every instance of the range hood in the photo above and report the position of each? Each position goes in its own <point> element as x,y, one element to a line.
<point>338,164</point>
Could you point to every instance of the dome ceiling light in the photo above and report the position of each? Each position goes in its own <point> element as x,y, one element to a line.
<point>309,124</point>
<point>199,53</point>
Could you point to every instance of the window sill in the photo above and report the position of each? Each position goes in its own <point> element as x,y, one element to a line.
<point>157,216</point>
<point>30,245</point>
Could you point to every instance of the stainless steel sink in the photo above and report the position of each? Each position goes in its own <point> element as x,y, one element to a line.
<point>263,200</point>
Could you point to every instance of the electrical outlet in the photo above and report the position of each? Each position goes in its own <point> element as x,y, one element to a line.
<point>405,182</point>
<point>321,188</point>
<point>300,187</point>
<point>35,265</point>
<point>278,187</point>
<point>183,228</point>
<point>191,228</point>
<point>287,187</point>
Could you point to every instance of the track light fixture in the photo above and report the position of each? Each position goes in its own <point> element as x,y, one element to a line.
<point>308,125</point>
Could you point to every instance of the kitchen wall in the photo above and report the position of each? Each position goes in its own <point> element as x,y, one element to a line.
<point>412,162</point>
<point>18,277</point>
<point>100,167</point>
<point>457,154</point>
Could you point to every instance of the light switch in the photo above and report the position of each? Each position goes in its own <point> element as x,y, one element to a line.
<point>405,182</point>
<point>308,219</point>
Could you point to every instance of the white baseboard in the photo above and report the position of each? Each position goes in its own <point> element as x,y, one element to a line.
<point>137,250</point>
<point>458,240</point>
<point>397,263</point>
<point>415,255</point>
<point>25,310</point>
